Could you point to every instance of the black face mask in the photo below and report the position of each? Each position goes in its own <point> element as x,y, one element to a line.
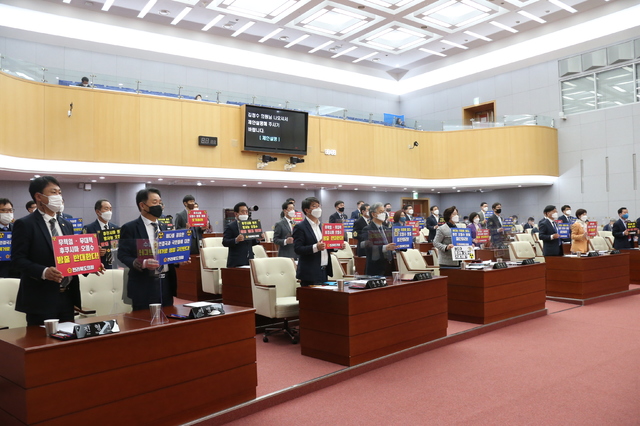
<point>341,209</point>
<point>155,211</point>
<point>498,211</point>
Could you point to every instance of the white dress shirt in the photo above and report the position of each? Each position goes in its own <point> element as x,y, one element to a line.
<point>317,230</point>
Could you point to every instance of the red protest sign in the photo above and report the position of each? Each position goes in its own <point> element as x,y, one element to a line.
<point>197,219</point>
<point>76,254</point>
<point>415,225</point>
<point>333,235</point>
<point>592,229</point>
<point>298,217</point>
<point>482,236</point>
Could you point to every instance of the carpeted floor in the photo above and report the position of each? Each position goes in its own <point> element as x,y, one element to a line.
<point>578,366</point>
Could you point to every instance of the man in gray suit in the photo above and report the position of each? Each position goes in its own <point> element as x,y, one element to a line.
<point>182,220</point>
<point>283,231</point>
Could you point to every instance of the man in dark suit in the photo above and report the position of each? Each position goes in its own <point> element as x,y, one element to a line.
<point>356,213</point>
<point>148,282</point>
<point>339,216</point>
<point>494,224</point>
<point>621,237</point>
<point>378,243</point>
<point>432,222</point>
<point>30,206</point>
<point>531,224</point>
<point>240,249</point>
<point>6,225</point>
<point>551,242</point>
<point>359,225</point>
<point>565,217</point>
<point>44,293</point>
<point>283,231</point>
<point>314,263</point>
<point>408,212</point>
<point>103,210</point>
<point>182,221</point>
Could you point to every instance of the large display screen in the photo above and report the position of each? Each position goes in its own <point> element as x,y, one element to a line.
<point>273,130</point>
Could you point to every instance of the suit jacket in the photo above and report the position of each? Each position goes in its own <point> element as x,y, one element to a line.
<point>621,241</point>
<point>309,262</point>
<point>431,223</point>
<point>281,231</point>
<point>337,217</point>
<point>358,227</point>
<point>7,270</point>
<point>440,243</point>
<point>93,228</point>
<point>181,222</point>
<point>493,224</point>
<point>549,247</point>
<point>355,214</point>
<point>579,239</point>
<point>143,286</point>
<point>377,258</point>
<point>239,253</point>
<point>31,253</point>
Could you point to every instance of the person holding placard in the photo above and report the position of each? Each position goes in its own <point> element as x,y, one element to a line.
<point>579,236</point>
<point>378,243</point>
<point>621,237</point>
<point>474,225</point>
<point>240,248</point>
<point>433,222</point>
<point>551,241</point>
<point>442,241</point>
<point>359,225</point>
<point>103,210</point>
<point>148,282</point>
<point>182,222</point>
<point>283,232</point>
<point>6,225</point>
<point>494,224</point>
<point>44,292</point>
<point>314,264</point>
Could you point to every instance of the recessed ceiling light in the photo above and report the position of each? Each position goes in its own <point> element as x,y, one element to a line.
<point>160,179</point>
<point>322,46</point>
<point>244,184</point>
<point>345,51</point>
<point>259,183</point>
<point>286,186</point>
<point>296,41</point>
<point>93,180</point>
<point>164,12</point>
<point>101,177</point>
<point>355,189</point>
<point>376,59</point>
<point>339,186</point>
<point>212,181</point>
<point>199,183</point>
<point>271,34</point>
<point>302,184</point>
<point>283,38</point>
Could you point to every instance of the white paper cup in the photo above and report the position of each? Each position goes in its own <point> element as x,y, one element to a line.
<point>51,326</point>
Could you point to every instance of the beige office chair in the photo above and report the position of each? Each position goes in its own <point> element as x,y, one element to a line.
<point>529,231</point>
<point>212,242</point>
<point>349,235</point>
<point>605,234</point>
<point>537,248</point>
<point>268,236</point>
<point>609,240</point>
<point>598,244</point>
<point>521,250</point>
<point>273,287</point>
<point>259,252</point>
<point>347,254</point>
<point>519,228</point>
<point>9,317</point>
<point>212,259</point>
<point>103,293</point>
<point>436,260</point>
<point>411,261</point>
<point>338,271</point>
<point>421,238</point>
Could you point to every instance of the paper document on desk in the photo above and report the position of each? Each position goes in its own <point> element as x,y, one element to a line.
<point>197,304</point>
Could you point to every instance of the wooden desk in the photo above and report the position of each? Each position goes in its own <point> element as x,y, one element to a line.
<point>213,234</point>
<point>144,375</point>
<point>587,277</point>
<point>355,326</point>
<point>190,281</point>
<point>424,247</point>
<point>360,263</point>
<point>634,266</point>
<point>492,254</point>
<point>491,295</point>
<point>236,287</point>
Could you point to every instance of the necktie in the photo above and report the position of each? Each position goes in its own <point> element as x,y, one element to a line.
<point>54,233</point>
<point>107,256</point>
<point>387,254</point>
<point>106,226</point>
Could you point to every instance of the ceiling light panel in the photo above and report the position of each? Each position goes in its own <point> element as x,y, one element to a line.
<point>397,38</point>
<point>187,2</point>
<point>271,11</point>
<point>334,20</point>
<point>392,7</point>
<point>453,15</point>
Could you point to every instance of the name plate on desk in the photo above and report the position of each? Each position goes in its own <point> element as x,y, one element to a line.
<point>366,284</point>
<point>421,276</point>
<point>204,311</point>
<point>95,329</point>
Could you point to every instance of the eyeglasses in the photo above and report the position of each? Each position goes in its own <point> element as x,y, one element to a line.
<point>6,210</point>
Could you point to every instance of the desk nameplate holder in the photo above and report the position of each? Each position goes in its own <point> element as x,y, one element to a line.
<point>204,311</point>
<point>81,331</point>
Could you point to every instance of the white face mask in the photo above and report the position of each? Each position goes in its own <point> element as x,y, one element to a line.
<point>410,211</point>
<point>584,218</point>
<point>476,220</point>
<point>106,215</point>
<point>381,217</point>
<point>243,217</point>
<point>317,213</point>
<point>291,213</point>
<point>6,218</point>
<point>55,203</point>
<point>485,208</point>
<point>567,212</point>
<point>554,216</point>
<point>455,219</point>
<point>436,211</point>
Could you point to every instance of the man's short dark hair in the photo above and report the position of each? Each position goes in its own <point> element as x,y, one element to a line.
<point>484,203</point>
<point>496,204</point>
<point>363,207</point>
<point>188,198</point>
<point>548,209</point>
<point>566,206</point>
<point>620,209</point>
<point>85,79</point>
<point>98,204</point>
<point>286,204</point>
<point>531,219</point>
<point>406,206</point>
<point>448,212</point>
<point>4,201</point>
<point>291,200</point>
<point>435,206</point>
<point>337,203</point>
<point>236,208</point>
<point>386,204</point>
<point>306,203</point>
<point>143,195</point>
<point>38,185</point>
<point>29,204</point>
<point>359,202</point>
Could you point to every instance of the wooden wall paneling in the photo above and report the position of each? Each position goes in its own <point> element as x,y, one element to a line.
<point>160,131</point>
<point>116,127</point>
<point>200,119</point>
<point>68,138</point>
